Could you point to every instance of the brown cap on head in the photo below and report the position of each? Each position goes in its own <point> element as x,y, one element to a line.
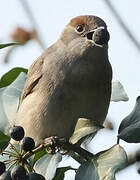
<point>87,20</point>
<point>85,26</point>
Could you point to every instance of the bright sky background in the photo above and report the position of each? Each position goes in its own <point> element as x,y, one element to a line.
<point>51,17</point>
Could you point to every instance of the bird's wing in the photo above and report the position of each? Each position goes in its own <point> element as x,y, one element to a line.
<point>33,77</point>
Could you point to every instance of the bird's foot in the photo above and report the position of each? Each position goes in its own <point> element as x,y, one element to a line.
<point>54,144</point>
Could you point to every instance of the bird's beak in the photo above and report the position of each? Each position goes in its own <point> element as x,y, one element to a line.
<point>100,36</point>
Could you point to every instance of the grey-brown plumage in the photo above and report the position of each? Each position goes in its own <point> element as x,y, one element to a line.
<point>71,79</point>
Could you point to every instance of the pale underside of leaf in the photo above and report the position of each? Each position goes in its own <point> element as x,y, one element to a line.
<point>84,127</point>
<point>9,98</point>
<point>47,165</point>
<point>104,165</point>
<point>110,161</point>
<point>118,92</point>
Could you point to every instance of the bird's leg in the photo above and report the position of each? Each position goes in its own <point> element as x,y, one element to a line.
<point>57,144</point>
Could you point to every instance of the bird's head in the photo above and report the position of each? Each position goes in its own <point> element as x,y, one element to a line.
<point>91,30</point>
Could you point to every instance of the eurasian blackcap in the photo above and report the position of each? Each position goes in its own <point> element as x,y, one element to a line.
<point>70,80</point>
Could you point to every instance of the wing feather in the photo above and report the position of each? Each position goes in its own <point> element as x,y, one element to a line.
<point>34,75</point>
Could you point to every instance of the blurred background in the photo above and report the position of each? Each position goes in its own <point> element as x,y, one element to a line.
<point>38,24</point>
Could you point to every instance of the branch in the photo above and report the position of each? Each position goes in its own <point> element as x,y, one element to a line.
<point>82,153</point>
<point>122,24</point>
<point>33,22</point>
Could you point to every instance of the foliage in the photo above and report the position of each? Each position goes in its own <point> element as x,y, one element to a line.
<point>7,45</point>
<point>10,76</point>
<point>129,129</point>
<point>101,166</point>
<point>4,141</point>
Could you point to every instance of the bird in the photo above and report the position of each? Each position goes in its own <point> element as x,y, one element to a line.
<point>70,80</point>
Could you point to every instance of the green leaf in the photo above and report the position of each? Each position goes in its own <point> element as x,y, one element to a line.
<point>46,165</point>
<point>104,165</point>
<point>8,44</point>
<point>118,92</point>
<point>4,140</point>
<point>10,76</point>
<point>83,128</point>
<point>88,171</point>
<point>129,129</point>
<point>9,98</point>
<point>38,155</point>
<point>60,172</point>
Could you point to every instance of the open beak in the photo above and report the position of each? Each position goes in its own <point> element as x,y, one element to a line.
<point>100,36</point>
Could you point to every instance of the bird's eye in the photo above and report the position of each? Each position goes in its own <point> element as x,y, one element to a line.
<point>80,28</point>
